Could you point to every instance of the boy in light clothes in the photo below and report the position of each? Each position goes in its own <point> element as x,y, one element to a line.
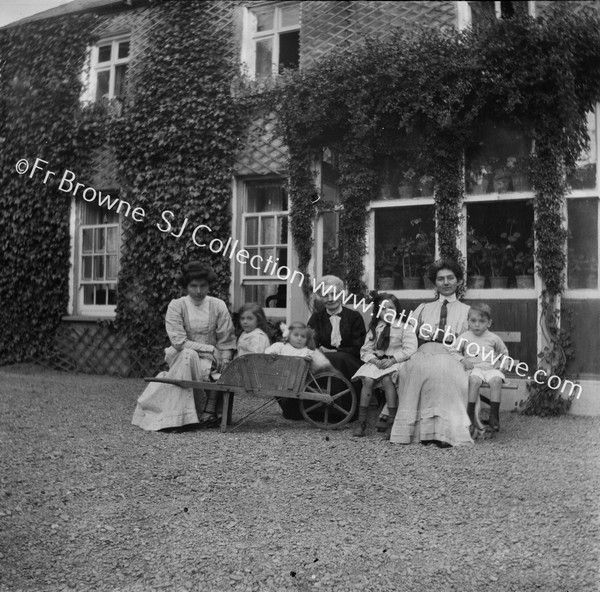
<point>483,353</point>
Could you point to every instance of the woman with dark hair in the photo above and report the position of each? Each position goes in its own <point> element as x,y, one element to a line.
<point>432,385</point>
<point>202,339</point>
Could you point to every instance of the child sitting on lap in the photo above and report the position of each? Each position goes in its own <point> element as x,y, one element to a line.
<point>483,353</point>
<point>299,341</point>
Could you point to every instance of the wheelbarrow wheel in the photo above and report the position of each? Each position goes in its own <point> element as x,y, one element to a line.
<point>334,415</point>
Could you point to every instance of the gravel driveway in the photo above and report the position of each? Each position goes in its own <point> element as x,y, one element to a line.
<point>89,502</point>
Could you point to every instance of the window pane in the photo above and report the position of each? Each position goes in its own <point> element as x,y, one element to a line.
<point>265,254</point>
<point>498,163</point>
<point>252,231</point>
<point>500,245</point>
<point>88,240</point>
<point>102,81</point>
<point>112,295</point>
<point>99,267</point>
<point>264,58</point>
<point>121,80</point>
<point>267,235</point>
<point>582,243</point>
<point>100,294</point>
<point>282,254</point>
<point>266,197</point>
<point>87,268</point>
<point>584,176</point>
<point>88,294</point>
<point>266,295</point>
<point>100,240</point>
<point>104,53</point>
<point>112,245</point>
<point>111,267</point>
<point>248,269</point>
<point>289,50</point>
<point>404,246</point>
<point>264,17</point>
<point>290,15</point>
<point>123,49</point>
<point>282,230</point>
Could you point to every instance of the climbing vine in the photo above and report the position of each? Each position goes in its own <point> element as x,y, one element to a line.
<point>175,144</point>
<point>40,117</point>
<point>420,101</point>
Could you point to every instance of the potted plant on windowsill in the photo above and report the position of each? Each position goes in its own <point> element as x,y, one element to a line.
<point>423,251</point>
<point>426,186</point>
<point>496,254</point>
<point>476,260</point>
<point>517,171</point>
<point>406,187</point>
<point>386,261</point>
<point>479,178</point>
<point>409,264</point>
<point>522,265</point>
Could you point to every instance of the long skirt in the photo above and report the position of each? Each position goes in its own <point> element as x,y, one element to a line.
<point>433,395</point>
<point>162,405</point>
<point>344,363</point>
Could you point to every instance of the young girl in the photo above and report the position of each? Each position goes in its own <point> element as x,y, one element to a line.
<point>299,341</point>
<point>254,338</point>
<point>388,344</point>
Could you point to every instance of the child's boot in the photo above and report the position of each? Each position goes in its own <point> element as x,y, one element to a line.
<point>495,416</point>
<point>390,420</point>
<point>361,425</point>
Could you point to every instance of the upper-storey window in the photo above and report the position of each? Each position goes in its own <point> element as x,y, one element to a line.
<point>272,38</point>
<point>110,59</point>
<point>480,11</point>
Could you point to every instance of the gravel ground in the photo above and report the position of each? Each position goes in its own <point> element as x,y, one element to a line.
<point>89,502</point>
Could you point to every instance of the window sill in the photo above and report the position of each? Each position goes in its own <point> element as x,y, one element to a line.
<point>89,318</point>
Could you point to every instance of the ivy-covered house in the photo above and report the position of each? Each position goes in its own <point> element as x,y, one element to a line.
<point>356,138</point>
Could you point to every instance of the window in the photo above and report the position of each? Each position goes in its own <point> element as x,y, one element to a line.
<point>404,246</point>
<point>485,10</point>
<point>582,243</point>
<point>110,59</point>
<point>97,250</point>
<point>500,245</point>
<point>265,237</point>
<point>272,39</point>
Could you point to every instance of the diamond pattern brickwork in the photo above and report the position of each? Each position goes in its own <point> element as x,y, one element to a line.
<point>330,24</point>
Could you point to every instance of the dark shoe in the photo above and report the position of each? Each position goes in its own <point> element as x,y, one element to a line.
<point>360,431</point>
<point>383,423</point>
<point>209,420</point>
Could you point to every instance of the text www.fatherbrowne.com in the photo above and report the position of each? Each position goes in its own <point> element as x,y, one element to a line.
<point>269,266</point>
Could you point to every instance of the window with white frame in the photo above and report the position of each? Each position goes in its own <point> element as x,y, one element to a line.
<point>109,62</point>
<point>485,10</point>
<point>97,253</point>
<point>272,38</point>
<point>265,237</point>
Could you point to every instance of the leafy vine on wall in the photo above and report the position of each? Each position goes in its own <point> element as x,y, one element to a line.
<point>175,145</point>
<point>420,100</point>
<point>40,117</point>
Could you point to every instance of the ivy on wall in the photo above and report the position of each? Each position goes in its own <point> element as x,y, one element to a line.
<point>40,117</point>
<point>419,101</point>
<point>175,145</point>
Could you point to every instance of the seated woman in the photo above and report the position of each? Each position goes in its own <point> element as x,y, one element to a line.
<point>202,337</point>
<point>433,384</point>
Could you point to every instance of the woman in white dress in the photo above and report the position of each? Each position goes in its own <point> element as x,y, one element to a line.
<point>432,385</point>
<point>202,338</point>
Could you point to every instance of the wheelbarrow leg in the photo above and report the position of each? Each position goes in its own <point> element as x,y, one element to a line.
<point>226,414</point>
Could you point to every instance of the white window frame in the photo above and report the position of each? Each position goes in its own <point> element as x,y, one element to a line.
<point>241,278</point>
<point>90,75</point>
<point>250,36</point>
<point>76,305</point>
<point>465,14</point>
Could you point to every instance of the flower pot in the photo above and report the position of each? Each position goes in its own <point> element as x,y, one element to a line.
<point>524,282</point>
<point>476,282</point>
<point>520,182</point>
<point>427,189</point>
<point>405,191</point>
<point>386,283</point>
<point>499,281</point>
<point>480,188</point>
<point>411,283</point>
